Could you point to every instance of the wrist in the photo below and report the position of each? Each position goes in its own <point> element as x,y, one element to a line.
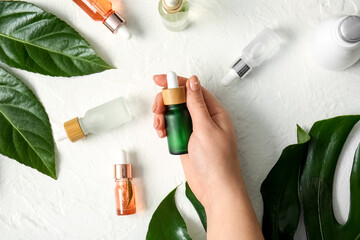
<point>224,192</point>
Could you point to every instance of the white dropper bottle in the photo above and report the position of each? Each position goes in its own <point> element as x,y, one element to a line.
<point>99,119</point>
<point>336,42</point>
<point>261,48</point>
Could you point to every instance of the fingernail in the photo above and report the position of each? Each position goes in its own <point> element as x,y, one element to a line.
<point>154,107</point>
<point>156,123</point>
<point>160,133</point>
<point>194,84</point>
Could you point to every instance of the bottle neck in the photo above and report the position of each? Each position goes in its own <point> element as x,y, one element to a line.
<point>113,21</point>
<point>176,106</point>
<point>82,126</point>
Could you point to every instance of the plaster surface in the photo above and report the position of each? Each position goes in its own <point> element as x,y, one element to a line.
<point>265,107</point>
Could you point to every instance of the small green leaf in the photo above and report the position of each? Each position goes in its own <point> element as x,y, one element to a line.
<point>302,136</point>
<point>37,41</point>
<point>197,205</point>
<point>166,222</point>
<point>280,193</point>
<point>25,132</point>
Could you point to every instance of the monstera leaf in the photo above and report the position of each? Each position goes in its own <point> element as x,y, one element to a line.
<point>25,132</point>
<point>307,170</point>
<point>327,140</point>
<point>167,223</point>
<point>280,191</point>
<point>199,208</point>
<point>37,41</point>
<point>303,176</point>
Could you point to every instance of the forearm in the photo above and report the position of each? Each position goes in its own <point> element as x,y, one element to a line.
<point>231,216</point>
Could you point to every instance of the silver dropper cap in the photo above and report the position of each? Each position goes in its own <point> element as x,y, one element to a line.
<point>349,29</point>
<point>241,68</point>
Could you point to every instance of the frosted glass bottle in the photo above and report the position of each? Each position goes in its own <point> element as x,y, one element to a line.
<point>96,120</point>
<point>177,117</point>
<point>105,117</point>
<point>260,49</point>
<point>174,14</point>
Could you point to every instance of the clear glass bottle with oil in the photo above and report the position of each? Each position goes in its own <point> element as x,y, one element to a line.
<point>174,14</point>
<point>124,189</point>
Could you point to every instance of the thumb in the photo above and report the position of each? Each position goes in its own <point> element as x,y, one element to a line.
<point>196,103</point>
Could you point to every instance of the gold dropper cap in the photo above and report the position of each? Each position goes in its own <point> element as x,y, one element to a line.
<point>73,130</point>
<point>123,168</point>
<point>122,171</point>
<point>173,9</point>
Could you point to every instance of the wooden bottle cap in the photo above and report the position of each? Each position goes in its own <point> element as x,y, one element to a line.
<point>174,96</point>
<point>73,130</point>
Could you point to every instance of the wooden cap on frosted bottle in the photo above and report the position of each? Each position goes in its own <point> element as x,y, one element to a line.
<point>73,130</point>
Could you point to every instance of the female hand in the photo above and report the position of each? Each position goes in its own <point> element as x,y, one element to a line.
<point>211,166</point>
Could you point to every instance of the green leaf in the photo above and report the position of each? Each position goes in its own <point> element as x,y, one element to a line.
<point>197,205</point>
<point>280,192</point>
<point>166,222</point>
<point>302,136</point>
<point>25,132</point>
<point>327,140</point>
<point>37,41</point>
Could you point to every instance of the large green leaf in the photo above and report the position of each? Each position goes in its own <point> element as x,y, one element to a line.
<point>327,140</point>
<point>280,191</point>
<point>166,222</point>
<point>37,41</point>
<point>197,205</point>
<point>25,132</point>
<point>315,158</point>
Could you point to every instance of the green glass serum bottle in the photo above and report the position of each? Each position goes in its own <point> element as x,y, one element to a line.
<point>177,117</point>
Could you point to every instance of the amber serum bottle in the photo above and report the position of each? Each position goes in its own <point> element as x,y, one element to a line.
<point>178,122</point>
<point>124,190</point>
<point>101,10</point>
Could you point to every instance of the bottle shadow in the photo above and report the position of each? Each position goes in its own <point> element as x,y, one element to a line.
<point>131,18</point>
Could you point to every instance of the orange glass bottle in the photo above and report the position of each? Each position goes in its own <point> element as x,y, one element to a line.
<point>124,190</point>
<point>101,10</point>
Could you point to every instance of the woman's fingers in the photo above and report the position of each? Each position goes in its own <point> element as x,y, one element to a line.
<point>196,104</point>
<point>217,112</point>
<point>161,80</point>
<point>159,122</point>
<point>204,108</point>
<point>161,133</point>
<point>158,106</point>
<point>212,104</point>
<point>159,125</point>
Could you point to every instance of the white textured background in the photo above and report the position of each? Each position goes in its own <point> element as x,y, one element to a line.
<point>265,107</point>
